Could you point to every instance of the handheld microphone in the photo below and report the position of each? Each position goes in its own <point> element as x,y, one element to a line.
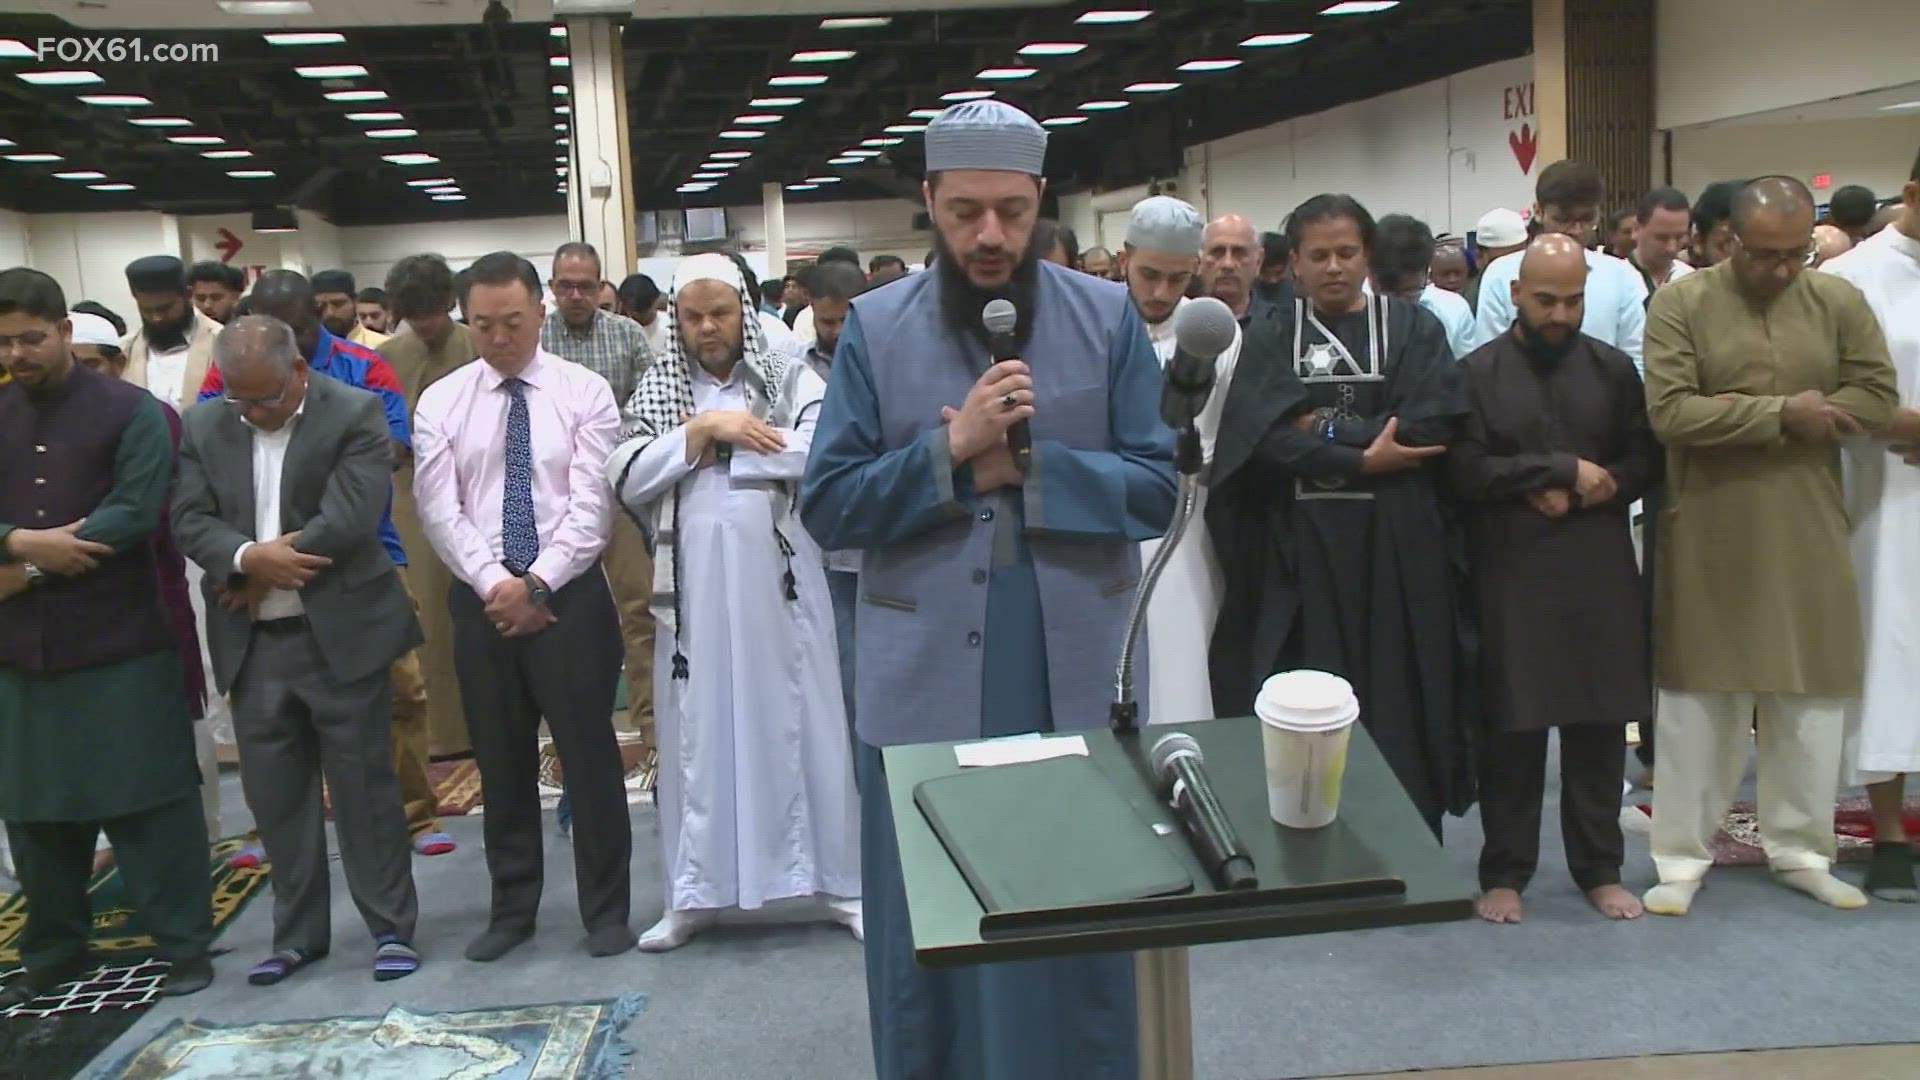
<point>1001,318</point>
<point>1202,330</point>
<point>1176,760</point>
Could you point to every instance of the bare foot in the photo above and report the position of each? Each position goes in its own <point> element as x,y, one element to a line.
<point>1615,902</point>
<point>1498,906</point>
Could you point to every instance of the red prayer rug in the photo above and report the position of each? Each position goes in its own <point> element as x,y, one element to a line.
<point>1738,841</point>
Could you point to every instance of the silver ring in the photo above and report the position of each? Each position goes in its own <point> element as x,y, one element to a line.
<point>1011,401</point>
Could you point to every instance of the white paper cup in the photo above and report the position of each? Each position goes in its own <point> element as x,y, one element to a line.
<point>1305,720</point>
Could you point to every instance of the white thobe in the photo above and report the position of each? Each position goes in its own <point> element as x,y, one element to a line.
<point>756,795</point>
<point>1883,497</point>
<point>1186,602</point>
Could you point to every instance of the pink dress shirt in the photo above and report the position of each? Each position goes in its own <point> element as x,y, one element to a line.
<point>459,474</point>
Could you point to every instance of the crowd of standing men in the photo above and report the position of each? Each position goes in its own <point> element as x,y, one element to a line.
<point>1419,475</point>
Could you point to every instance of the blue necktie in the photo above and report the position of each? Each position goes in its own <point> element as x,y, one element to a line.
<point>519,536</point>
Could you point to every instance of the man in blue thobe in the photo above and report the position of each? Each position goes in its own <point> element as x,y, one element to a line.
<point>993,596</point>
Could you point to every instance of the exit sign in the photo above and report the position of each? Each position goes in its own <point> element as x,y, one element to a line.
<point>1822,181</point>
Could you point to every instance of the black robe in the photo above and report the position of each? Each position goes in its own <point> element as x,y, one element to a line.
<point>1559,599</point>
<point>1363,576</point>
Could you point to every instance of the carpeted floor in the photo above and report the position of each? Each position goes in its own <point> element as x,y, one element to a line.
<point>1738,841</point>
<point>1755,966</point>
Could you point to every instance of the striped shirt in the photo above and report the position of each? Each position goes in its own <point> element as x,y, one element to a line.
<point>612,346</point>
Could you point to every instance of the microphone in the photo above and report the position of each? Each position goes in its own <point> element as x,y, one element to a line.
<point>1176,762</point>
<point>1000,318</point>
<point>1202,330</point>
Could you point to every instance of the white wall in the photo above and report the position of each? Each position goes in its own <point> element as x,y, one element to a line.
<point>1877,152</point>
<point>88,253</point>
<point>314,248</point>
<point>1715,59</point>
<point>14,250</point>
<point>369,251</point>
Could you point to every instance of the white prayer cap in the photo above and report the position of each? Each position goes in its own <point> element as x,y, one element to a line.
<point>89,329</point>
<point>1164,223</point>
<point>711,266</point>
<point>1500,228</point>
<point>986,134</point>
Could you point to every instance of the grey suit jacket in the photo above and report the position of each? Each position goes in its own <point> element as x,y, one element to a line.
<point>335,486</point>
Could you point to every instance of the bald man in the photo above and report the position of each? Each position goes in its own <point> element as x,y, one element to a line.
<point>1829,243</point>
<point>1230,259</point>
<point>1756,611</point>
<point>1556,450</point>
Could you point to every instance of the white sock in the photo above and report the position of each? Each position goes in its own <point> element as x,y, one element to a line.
<point>1824,887</point>
<point>1671,897</point>
<point>850,914</point>
<point>675,929</point>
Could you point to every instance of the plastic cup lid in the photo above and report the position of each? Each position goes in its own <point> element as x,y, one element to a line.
<point>1307,699</point>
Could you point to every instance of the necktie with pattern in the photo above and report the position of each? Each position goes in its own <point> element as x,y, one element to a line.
<point>519,536</point>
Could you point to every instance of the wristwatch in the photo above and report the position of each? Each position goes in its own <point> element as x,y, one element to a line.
<point>537,591</point>
<point>35,575</point>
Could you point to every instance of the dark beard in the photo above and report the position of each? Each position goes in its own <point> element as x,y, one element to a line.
<point>1542,352</point>
<point>961,300</point>
<point>166,337</point>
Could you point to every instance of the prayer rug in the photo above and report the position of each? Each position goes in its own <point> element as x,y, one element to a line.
<point>117,935</point>
<point>456,783</point>
<point>1738,841</point>
<point>567,1041</point>
<point>633,760</point>
<point>57,1035</point>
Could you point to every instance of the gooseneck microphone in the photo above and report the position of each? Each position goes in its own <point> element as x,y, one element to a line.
<point>1176,761</point>
<point>1202,329</point>
<point>1001,319</point>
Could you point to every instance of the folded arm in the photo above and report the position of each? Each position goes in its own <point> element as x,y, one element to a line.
<point>354,502</point>
<point>804,395</point>
<point>1479,474</point>
<point>1869,390</point>
<point>142,471</point>
<point>444,516</point>
<point>1681,413</point>
<point>199,530</point>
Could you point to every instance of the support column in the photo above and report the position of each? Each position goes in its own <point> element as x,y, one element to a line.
<point>599,174</point>
<point>773,198</point>
<point>1593,89</point>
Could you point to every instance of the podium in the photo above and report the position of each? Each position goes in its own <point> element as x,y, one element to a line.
<point>1376,865</point>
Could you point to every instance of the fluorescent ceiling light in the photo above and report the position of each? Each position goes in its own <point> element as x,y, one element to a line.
<point>436,182</point>
<point>559,127</point>
<point>1113,17</point>
<point>966,95</point>
<point>450,198</point>
<point>757,118</point>
<point>1052,48</point>
<point>1361,7</point>
<point>561,141</point>
<point>823,179</point>
<point>924,114</point>
<point>373,117</point>
<point>225,155</point>
<point>125,100</point>
<point>559,61</point>
<point>8,142</point>
<point>1151,87</point>
<point>718,166</point>
<point>109,187</point>
<point>391,133</point>
<point>866,22</point>
<point>331,71</point>
<point>59,78</point>
<point>822,56</point>
<point>1003,74</point>
<point>1064,121</point>
<point>250,174</point>
<point>11,49</point>
<point>159,121</point>
<point>444,189</point>
<point>563,110</point>
<point>860,153</point>
<point>1103,106</point>
<point>266,7</point>
<point>556,31</point>
<point>1901,105</point>
<point>742,133</point>
<point>803,187</point>
<point>410,159</point>
<point>705,175</point>
<point>196,140</point>
<point>1268,41</point>
<point>34,159</point>
<point>846,161</point>
<point>774,102</point>
<point>317,38</point>
<point>904,129</point>
<point>882,142</point>
<point>1225,64</point>
<point>796,80</point>
<point>357,95</point>
<point>688,189</point>
<point>561,89</point>
<point>279,229</point>
<point>730,155</point>
<point>84,175</point>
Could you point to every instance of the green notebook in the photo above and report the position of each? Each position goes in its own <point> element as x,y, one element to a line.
<point>1045,835</point>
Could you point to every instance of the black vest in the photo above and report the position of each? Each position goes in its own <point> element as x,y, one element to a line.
<point>59,456</point>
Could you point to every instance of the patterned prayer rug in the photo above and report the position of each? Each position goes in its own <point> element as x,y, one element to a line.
<point>1738,841</point>
<point>57,1035</point>
<point>456,783</point>
<point>568,1041</point>
<point>633,760</point>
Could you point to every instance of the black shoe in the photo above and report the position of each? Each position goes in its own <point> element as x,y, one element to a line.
<point>610,941</point>
<point>497,942</point>
<point>41,981</point>
<point>187,977</point>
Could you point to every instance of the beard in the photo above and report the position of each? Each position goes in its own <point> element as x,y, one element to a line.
<point>961,300</point>
<point>340,327</point>
<point>1539,346</point>
<point>168,336</point>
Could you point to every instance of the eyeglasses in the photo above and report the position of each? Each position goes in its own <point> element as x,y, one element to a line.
<point>32,339</point>
<point>577,287</point>
<point>274,402</point>
<point>1803,255</point>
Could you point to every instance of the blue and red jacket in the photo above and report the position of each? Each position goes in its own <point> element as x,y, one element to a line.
<point>355,365</point>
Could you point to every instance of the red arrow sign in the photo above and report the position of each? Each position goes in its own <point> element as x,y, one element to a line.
<point>228,246</point>
<point>1525,145</point>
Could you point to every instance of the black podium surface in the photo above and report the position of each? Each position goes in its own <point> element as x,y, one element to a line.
<point>1376,865</point>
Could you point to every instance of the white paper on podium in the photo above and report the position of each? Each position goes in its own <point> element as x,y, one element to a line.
<point>1016,749</point>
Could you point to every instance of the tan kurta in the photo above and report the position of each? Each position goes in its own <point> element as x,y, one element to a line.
<point>1754,589</point>
<point>418,366</point>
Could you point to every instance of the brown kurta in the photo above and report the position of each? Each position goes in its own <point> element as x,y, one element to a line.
<point>1754,589</point>
<point>1561,611</point>
<point>418,367</point>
